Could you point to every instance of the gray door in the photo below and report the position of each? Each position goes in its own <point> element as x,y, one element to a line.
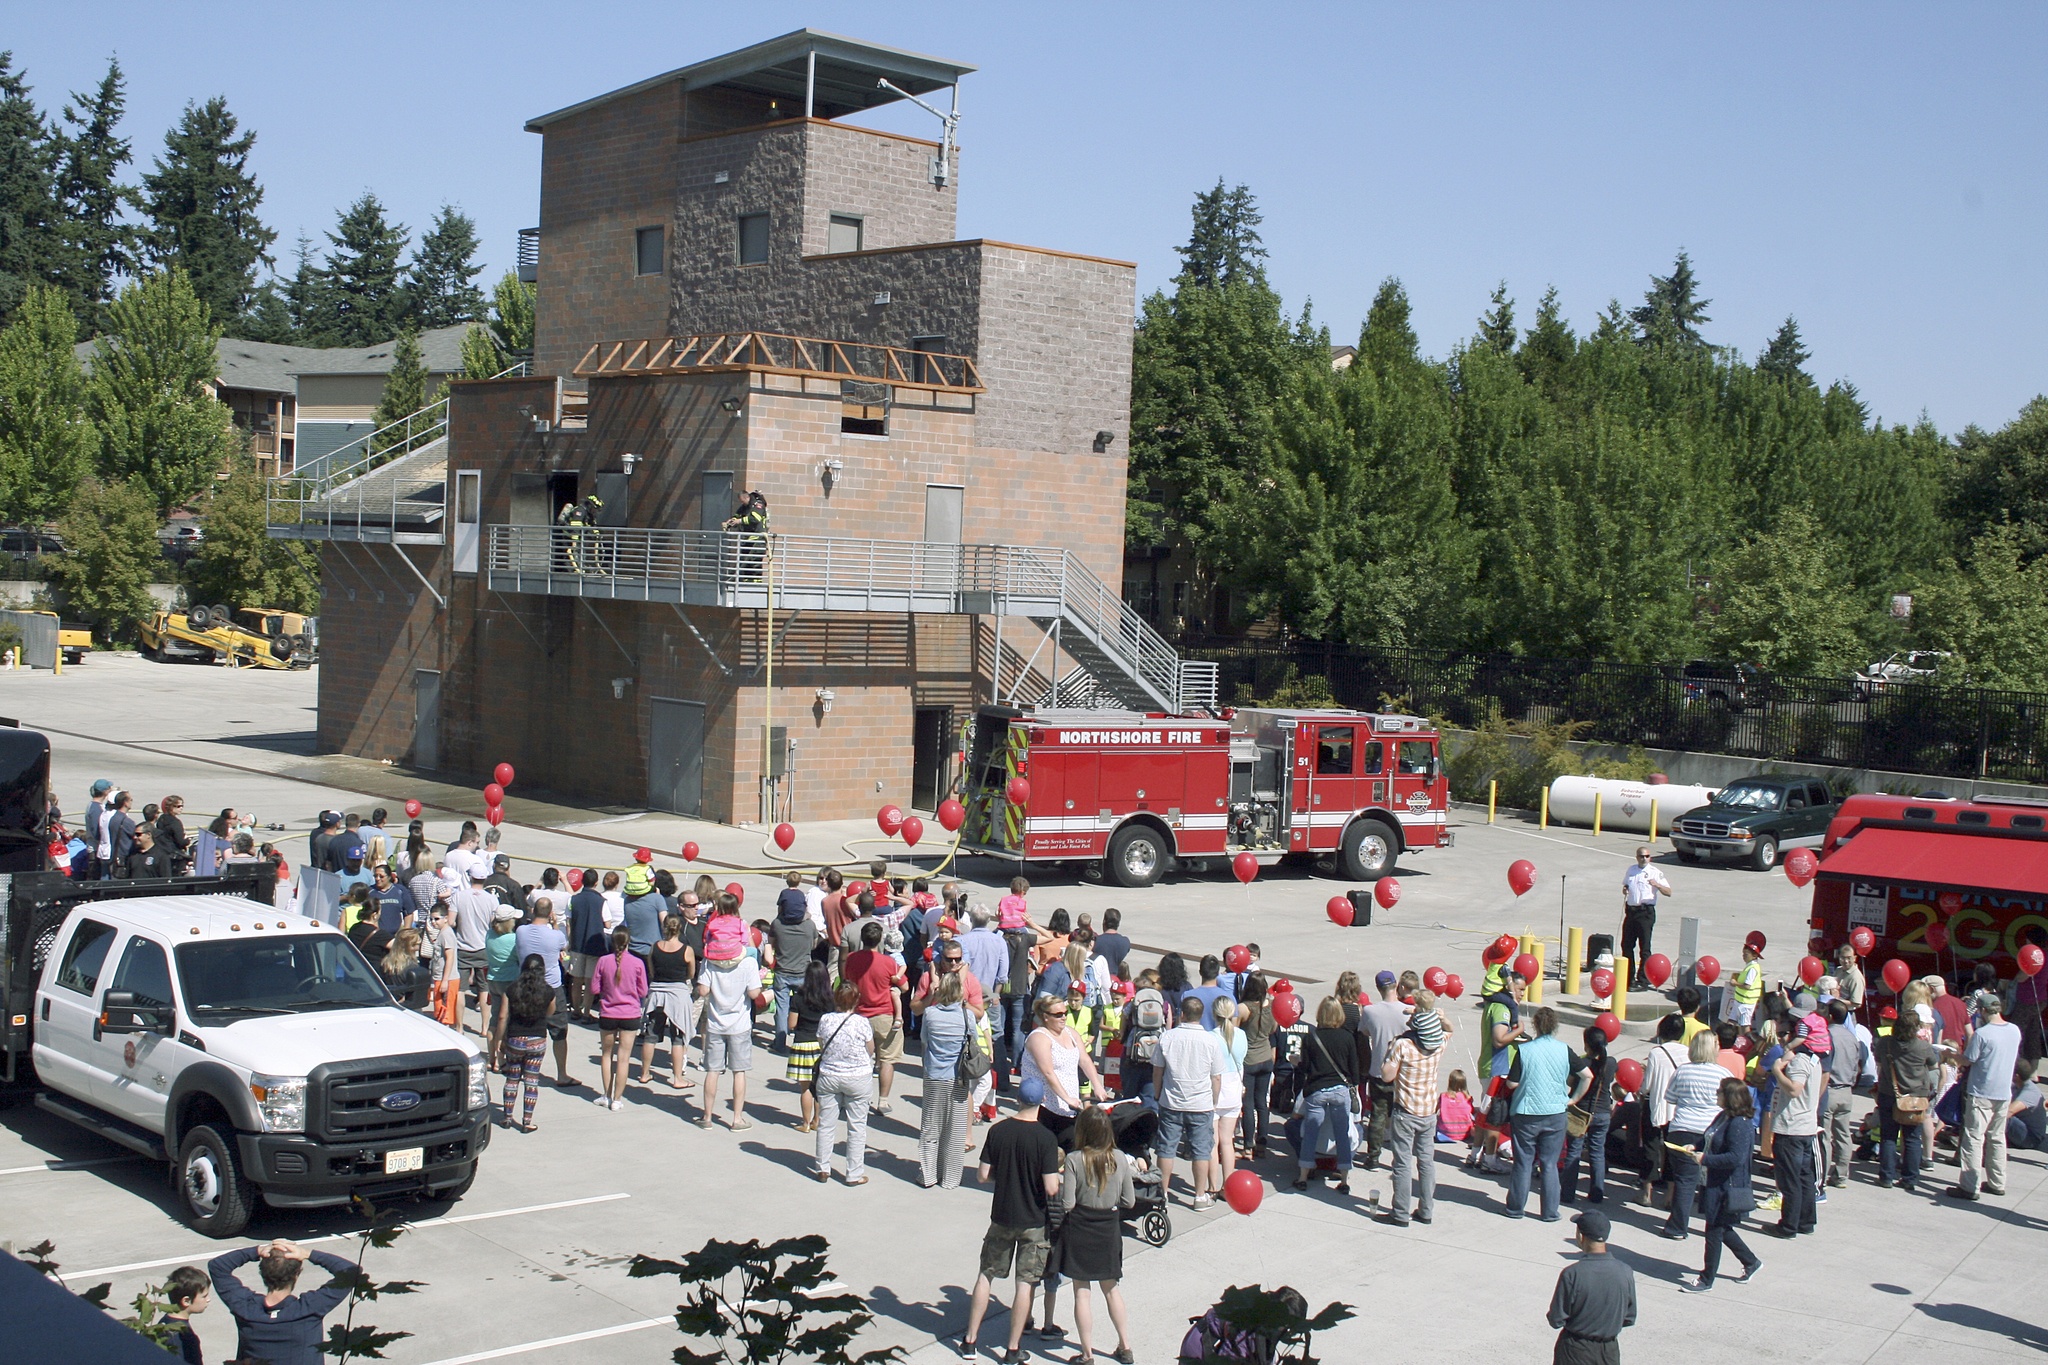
<point>426,718</point>
<point>675,756</point>
<point>718,503</point>
<point>944,509</point>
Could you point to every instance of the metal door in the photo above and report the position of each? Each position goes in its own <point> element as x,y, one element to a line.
<point>675,756</point>
<point>930,756</point>
<point>944,511</point>
<point>426,718</point>
<point>140,1065</point>
<point>469,516</point>
<point>718,503</point>
<point>531,506</point>
<point>1326,774</point>
<point>66,1053</point>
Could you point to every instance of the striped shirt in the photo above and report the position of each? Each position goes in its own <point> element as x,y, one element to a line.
<point>1695,1096</point>
<point>1415,1080</point>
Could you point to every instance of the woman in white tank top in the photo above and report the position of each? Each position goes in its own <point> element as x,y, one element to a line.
<point>1054,1054</point>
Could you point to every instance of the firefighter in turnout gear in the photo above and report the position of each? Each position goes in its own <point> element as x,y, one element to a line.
<point>750,522</point>
<point>592,538</point>
<point>569,524</point>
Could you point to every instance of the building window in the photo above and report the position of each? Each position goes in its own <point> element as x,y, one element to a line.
<point>863,408</point>
<point>843,234</point>
<point>923,370</point>
<point>649,247</point>
<point>753,238</point>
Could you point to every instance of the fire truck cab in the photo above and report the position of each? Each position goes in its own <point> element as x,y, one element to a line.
<point>1137,791</point>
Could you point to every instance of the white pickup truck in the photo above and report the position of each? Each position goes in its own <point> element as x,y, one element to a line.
<point>253,1051</point>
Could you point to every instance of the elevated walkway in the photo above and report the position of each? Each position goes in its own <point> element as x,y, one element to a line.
<point>1118,657</point>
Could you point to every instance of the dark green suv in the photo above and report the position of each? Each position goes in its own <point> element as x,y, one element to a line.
<point>1755,820</point>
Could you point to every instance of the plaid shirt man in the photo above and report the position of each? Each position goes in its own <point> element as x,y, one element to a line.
<point>1415,1089</point>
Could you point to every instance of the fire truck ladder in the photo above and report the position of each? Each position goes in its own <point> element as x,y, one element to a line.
<point>1118,657</point>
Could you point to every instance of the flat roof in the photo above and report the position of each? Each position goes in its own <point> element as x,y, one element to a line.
<point>847,73</point>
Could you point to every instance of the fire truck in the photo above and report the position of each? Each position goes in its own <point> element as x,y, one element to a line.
<point>1901,865</point>
<point>1138,791</point>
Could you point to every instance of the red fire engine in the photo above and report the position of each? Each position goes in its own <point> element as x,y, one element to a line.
<point>1136,791</point>
<point>1900,865</point>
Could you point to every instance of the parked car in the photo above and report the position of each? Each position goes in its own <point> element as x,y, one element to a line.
<point>21,544</point>
<point>1733,685</point>
<point>1906,666</point>
<point>1755,820</point>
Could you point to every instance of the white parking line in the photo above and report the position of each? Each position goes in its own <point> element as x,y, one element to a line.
<point>501,1352</point>
<point>68,1165</point>
<point>348,1236</point>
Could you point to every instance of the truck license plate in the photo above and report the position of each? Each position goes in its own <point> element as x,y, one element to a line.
<point>404,1159</point>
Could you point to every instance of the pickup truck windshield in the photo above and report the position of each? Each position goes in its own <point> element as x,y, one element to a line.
<point>277,976</point>
<point>1750,798</point>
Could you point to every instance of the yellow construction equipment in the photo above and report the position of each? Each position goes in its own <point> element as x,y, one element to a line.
<point>211,635</point>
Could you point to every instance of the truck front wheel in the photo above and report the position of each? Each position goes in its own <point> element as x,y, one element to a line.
<point>1369,851</point>
<point>1137,856</point>
<point>216,1196</point>
<point>1766,855</point>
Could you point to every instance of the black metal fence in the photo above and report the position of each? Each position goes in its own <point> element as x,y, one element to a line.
<point>1911,728</point>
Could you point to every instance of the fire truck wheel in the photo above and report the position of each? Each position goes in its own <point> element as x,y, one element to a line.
<point>1137,856</point>
<point>1369,851</point>
<point>1766,856</point>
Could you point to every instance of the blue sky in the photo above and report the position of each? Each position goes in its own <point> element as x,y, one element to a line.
<point>1875,170</point>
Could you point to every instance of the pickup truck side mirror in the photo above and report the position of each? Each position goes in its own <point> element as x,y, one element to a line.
<point>121,1013</point>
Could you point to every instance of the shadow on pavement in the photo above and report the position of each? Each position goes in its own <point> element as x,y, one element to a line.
<point>1984,1320</point>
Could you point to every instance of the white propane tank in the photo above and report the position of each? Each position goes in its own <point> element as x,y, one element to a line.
<point>1624,805</point>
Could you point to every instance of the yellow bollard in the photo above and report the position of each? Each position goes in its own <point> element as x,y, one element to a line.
<point>1574,953</point>
<point>1536,986</point>
<point>1653,820</point>
<point>1618,1002</point>
<point>1492,796</point>
<point>57,669</point>
<point>1544,821</point>
<point>1596,811</point>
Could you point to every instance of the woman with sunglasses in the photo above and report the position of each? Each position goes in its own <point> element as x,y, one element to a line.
<point>1055,1054</point>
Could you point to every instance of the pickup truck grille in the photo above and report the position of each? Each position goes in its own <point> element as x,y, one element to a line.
<point>354,1110</point>
<point>1703,829</point>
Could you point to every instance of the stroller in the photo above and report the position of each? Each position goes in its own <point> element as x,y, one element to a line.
<point>1136,1129</point>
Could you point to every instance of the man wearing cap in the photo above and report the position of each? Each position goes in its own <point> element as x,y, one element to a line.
<point>474,907</point>
<point>1021,1158</point>
<point>502,883</point>
<point>95,816</point>
<point>1795,1122</point>
<point>1640,887</point>
<point>1993,1053</point>
<point>1379,1024</point>
<point>1595,1298</point>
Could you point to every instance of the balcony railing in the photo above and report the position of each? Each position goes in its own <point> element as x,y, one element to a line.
<point>529,254</point>
<point>775,353</point>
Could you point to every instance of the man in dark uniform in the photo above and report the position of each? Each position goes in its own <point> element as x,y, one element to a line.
<point>1595,1298</point>
<point>751,522</point>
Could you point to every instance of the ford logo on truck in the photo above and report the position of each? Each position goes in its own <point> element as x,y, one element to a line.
<point>398,1101</point>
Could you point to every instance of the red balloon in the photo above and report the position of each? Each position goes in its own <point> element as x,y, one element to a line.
<point>1282,987</point>
<point>643,855</point>
<point>1937,937</point>
<point>1287,1009</point>
<point>1800,865</point>
<point>1521,876</point>
<point>1608,1025</point>
<point>1386,891</point>
<point>890,818</point>
<point>1708,970</point>
<point>739,892</point>
<point>1527,967</point>
<point>1948,902</point>
<point>1603,983</point>
<point>1657,969</point>
<point>2031,959</point>
<point>1243,1190</point>
<point>494,795</point>
<point>1454,985</point>
<point>1339,910</point>
<point>504,774</point>
<point>1628,1073</point>
<point>690,852</point>
<point>574,876</point>
<point>952,815</point>
<point>1863,940</point>
<point>1811,969</point>
<point>785,835</point>
<point>1019,792</point>
<point>1236,958</point>
<point>494,814</point>
<point>1434,979</point>
<point>413,809</point>
<point>912,829</point>
<point>1897,975</point>
<point>1244,867</point>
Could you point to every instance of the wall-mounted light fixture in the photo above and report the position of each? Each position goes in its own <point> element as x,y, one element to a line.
<point>619,686</point>
<point>829,471</point>
<point>629,459</point>
<point>729,404</point>
<point>825,700</point>
<point>1104,440</point>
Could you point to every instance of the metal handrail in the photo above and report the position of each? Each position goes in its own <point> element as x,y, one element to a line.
<point>782,353</point>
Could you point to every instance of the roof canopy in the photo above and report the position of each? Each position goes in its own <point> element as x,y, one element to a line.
<point>1947,856</point>
<point>844,79</point>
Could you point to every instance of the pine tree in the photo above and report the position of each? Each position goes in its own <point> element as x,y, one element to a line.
<point>111,557</point>
<point>1388,341</point>
<point>1497,327</point>
<point>405,392</point>
<point>47,441</point>
<point>1224,247</point>
<point>161,430</point>
<point>239,562</point>
<point>358,299</point>
<point>512,317</point>
<point>101,246</point>
<point>301,293</point>
<point>1786,356</point>
<point>1549,354</point>
<point>1672,311</point>
<point>481,358</point>
<point>31,245</point>
<point>440,284</point>
<point>269,318</point>
<point>201,204</point>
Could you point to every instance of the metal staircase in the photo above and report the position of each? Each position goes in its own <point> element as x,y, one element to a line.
<point>1119,658</point>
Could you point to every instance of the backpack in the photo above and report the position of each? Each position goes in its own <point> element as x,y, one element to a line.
<point>1210,1338</point>
<point>1148,1023</point>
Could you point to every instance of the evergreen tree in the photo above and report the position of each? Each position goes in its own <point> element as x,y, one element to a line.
<point>481,358</point>
<point>111,557</point>
<point>1672,311</point>
<point>440,284</point>
<point>1549,354</point>
<point>239,562</point>
<point>405,391</point>
<point>301,293</point>
<point>1497,326</point>
<point>1224,247</point>
<point>1786,356</point>
<point>1388,341</point>
<point>512,317</point>
<point>100,245</point>
<point>2002,477</point>
<point>201,204</point>
<point>47,441</point>
<point>1785,603</point>
<point>358,300</point>
<point>269,318</point>
<point>31,244</point>
<point>161,430</point>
